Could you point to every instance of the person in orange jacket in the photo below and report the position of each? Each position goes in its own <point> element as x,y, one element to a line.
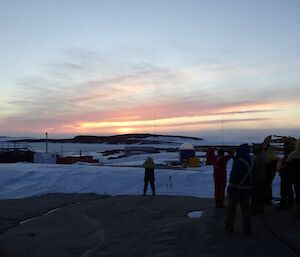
<point>210,156</point>
<point>220,176</point>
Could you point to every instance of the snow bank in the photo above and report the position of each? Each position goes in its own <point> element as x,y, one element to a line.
<point>23,180</point>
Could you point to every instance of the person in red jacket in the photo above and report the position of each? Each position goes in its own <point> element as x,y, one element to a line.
<point>220,176</point>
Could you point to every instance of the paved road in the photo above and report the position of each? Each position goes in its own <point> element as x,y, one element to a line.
<point>86,225</point>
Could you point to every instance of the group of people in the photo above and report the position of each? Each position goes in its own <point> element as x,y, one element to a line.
<point>250,181</point>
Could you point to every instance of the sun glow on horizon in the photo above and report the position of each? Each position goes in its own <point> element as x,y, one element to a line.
<point>252,117</point>
<point>126,130</point>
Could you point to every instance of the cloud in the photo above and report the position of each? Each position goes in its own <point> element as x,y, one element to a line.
<point>84,86</point>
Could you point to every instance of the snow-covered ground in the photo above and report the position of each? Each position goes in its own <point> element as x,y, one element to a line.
<point>112,176</point>
<point>23,180</point>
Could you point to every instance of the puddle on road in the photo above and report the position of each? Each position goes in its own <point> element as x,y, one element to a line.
<point>195,214</point>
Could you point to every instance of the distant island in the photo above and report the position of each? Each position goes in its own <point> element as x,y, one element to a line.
<point>115,139</point>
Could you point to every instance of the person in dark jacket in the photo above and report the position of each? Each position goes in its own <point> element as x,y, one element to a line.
<point>220,176</point>
<point>286,187</point>
<point>293,167</point>
<point>259,177</point>
<point>239,188</point>
<point>149,175</point>
<point>271,167</point>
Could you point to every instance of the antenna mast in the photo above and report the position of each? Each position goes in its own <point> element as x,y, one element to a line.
<point>222,128</point>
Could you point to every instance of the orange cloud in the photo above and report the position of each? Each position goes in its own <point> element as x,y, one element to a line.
<point>143,98</point>
<point>167,116</point>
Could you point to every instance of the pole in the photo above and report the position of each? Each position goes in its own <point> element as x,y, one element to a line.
<point>222,124</point>
<point>46,142</point>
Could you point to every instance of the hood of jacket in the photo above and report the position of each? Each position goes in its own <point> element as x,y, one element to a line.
<point>295,154</point>
<point>149,163</point>
<point>243,151</point>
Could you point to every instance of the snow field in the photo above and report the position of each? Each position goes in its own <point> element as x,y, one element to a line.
<point>22,180</point>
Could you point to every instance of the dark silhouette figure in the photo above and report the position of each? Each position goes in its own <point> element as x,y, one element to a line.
<point>286,187</point>
<point>271,168</point>
<point>293,168</point>
<point>259,179</point>
<point>149,175</point>
<point>210,156</point>
<point>239,189</point>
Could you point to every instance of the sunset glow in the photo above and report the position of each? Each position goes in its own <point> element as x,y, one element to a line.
<point>118,69</point>
<point>125,130</point>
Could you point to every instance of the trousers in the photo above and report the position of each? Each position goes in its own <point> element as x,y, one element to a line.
<point>235,199</point>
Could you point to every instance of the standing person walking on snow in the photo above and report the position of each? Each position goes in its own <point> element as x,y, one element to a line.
<point>239,188</point>
<point>149,175</point>
<point>220,176</point>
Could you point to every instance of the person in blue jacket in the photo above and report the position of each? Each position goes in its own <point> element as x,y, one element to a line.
<point>239,189</point>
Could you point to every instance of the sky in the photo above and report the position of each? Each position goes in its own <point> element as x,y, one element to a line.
<point>217,69</point>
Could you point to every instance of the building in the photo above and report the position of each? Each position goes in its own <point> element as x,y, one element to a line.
<point>186,151</point>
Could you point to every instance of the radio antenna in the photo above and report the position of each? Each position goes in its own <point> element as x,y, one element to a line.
<point>222,129</point>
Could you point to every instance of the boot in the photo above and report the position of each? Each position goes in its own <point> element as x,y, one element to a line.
<point>291,203</point>
<point>297,211</point>
<point>220,205</point>
<point>282,205</point>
